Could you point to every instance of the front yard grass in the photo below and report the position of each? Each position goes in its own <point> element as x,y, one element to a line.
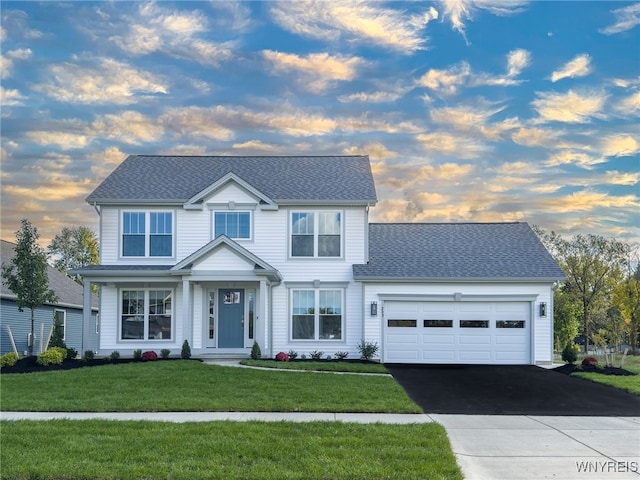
<point>629,383</point>
<point>354,367</point>
<point>186,385</point>
<point>97,449</point>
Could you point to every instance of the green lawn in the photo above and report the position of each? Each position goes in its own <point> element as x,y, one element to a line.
<point>184,385</point>
<point>628,383</point>
<point>224,450</point>
<point>319,366</point>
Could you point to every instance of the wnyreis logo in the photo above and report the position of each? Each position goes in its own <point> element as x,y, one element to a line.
<point>609,466</point>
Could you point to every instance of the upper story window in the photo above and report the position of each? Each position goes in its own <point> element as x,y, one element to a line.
<point>316,234</point>
<point>147,234</point>
<point>232,224</point>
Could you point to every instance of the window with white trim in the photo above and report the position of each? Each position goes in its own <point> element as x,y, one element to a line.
<point>147,234</point>
<point>235,225</point>
<point>316,234</point>
<point>316,314</point>
<point>146,314</point>
<point>61,317</point>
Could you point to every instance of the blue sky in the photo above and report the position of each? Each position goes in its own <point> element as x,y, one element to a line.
<point>470,110</point>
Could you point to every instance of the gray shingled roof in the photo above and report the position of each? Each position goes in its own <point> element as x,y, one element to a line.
<point>449,251</point>
<point>176,179</point>
<point>68,291</point>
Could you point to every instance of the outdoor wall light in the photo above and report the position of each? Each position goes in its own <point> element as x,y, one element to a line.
<point>543,309</point>
<point>374,309</point>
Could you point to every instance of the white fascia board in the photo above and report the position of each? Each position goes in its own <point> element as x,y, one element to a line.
<point>539,280</point>
<point>198,198</point>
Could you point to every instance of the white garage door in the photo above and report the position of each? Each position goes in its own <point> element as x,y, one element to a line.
<point>457,332</point>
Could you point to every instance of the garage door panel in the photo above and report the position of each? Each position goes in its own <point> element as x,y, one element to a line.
<point>402,339</point>
<point>505,335</point>
<point>475,356</point>
<point>475,339</point>
<point>403,356</point>
<point>435,340</point>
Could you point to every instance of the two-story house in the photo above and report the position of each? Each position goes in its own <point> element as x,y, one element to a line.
<point>223,251</point>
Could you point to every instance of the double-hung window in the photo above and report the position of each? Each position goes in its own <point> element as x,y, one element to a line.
<point>235,225</point>
<point>316,234</point>
<point>146,314</point>
<point>316,314</point>
<point>147,234</point>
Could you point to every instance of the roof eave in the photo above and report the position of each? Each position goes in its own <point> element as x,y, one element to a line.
<point>385,279</point>
<point>134,201</point>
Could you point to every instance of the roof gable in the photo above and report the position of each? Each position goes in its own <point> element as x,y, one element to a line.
<point>196,202</point>
<point>456,251</point>
<point>202,255</point>
<point>150,179</point>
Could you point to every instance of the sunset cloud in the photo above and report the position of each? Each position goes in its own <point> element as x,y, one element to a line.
<point>626,18</point>
<point>580,66</point>
<point>570,107</point>
<point>355,21</point>
<point>458,12</point>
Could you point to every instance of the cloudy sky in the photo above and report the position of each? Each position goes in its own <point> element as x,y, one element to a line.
<point>470,110</point>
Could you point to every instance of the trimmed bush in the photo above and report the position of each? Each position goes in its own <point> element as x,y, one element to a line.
<point>164,353</point>
<point>115,355</point>
<point>570,353</point>
<point>292,354</point>
<point>9,359</point>
<point>185,354</point>
<point>149,356</point>
<point>52,356</point>
<point>72,353</point>
<point>256,354</point>
<point>282,357</point>
<point>137,355</point>
<point>88,355</point>
<point>367,349</point>
<point>588,361</point>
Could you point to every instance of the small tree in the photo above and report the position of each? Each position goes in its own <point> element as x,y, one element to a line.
<point>26,274</point>
<point>57,335</point>
<point>74,247</point>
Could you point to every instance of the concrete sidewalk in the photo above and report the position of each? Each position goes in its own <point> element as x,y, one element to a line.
<point>487,447</point>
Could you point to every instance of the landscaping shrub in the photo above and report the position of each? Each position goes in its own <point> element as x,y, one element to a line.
<point>282,357</point>
<point>292,354</point>
<point>71,353</point>
<point>570,353</point>
<point>368,349</point>
<point>115,355</point>
<point>256,354</point>
<point>52,356</point>
<point>149,356</point>
<point>9,359</point>
<point>341,355</point>
<point>185,354</point>
<point>164,353</point>
<point>316,355</point>
<point>588,361</point>
<point>88,355</point>
<point>137,355</point>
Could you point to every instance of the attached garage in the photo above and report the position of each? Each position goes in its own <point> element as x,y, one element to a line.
<point>457,332</point>
<point>458,293</point>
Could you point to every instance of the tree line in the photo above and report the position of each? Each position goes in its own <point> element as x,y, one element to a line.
<point>599,301</point>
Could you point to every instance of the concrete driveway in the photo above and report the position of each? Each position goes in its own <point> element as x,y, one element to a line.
<point>505,447</point>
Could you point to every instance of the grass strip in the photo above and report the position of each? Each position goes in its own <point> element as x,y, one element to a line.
<point>67,449</point>
<point>186,385</point>
<point>352,367</point>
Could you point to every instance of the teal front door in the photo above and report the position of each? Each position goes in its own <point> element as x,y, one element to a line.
<point>231,318</point>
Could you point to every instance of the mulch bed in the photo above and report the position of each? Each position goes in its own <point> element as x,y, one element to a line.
<point>29,365</point>
<point>569,368</point>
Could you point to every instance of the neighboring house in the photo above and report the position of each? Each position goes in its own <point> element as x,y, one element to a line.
<point>225,251</point>
<point>68,308</point>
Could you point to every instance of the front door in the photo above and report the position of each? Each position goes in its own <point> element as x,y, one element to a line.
<point>231,318</point>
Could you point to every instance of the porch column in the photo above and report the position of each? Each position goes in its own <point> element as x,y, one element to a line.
<point>86,316</point>
<point>187,321</point>
<point>264,323</point>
